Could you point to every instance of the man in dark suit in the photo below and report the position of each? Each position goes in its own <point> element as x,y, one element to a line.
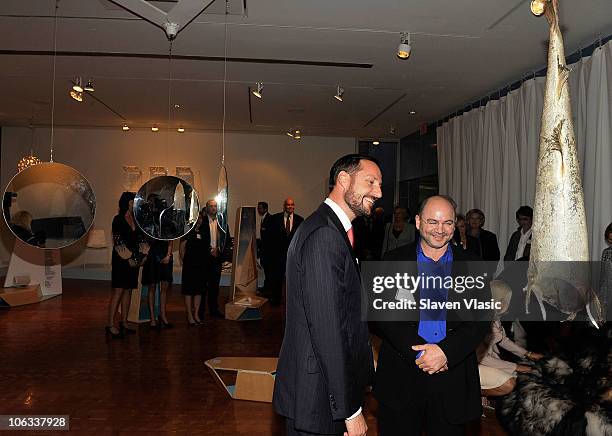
<point>488,249</point>
<point>263,223</point>
<point>215,236</point>
<point>326,361</point>
<point>519,246</point>
<point>281,230</point>
<point>427,373</point>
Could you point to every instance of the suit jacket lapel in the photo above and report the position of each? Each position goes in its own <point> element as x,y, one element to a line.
<point>336,222</point>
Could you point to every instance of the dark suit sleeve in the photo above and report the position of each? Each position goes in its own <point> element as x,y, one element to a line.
<point>323,264</point>
<point>465,339</point>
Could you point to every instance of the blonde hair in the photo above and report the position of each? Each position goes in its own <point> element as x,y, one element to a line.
<point>23,219</point>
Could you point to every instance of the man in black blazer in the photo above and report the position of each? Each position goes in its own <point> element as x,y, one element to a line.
<point>440,389</point>
<point>326,361</point>
<point>213,261</point>
<point>281,230</point>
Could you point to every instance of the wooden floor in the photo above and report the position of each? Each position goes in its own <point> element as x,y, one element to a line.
<point>55,359</point>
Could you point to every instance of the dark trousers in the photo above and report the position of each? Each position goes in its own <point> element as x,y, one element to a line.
<point>427,415</point>
<point>213,276</point>
<point>291,431</point>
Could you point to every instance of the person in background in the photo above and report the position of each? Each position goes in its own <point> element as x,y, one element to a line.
<point>157,269</point>
<point>520,241</point>
<point>129,253</point>
<point>192,251</point>
<point>498,376</point>
<point>21,225</point>
<point>487,246</point>
<point>283,226</point>
<point>399,232</point>
<point>605,284</point>
<point>461,239</point>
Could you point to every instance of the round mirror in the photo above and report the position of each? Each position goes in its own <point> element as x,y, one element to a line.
<point>49,205</point>
<point>166,208</point>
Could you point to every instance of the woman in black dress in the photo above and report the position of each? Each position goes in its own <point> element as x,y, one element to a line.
<point>157,269</point>
<point>193,250</point>
<point>129,252</point>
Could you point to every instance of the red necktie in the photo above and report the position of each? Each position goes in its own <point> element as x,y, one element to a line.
<point>351,237</point>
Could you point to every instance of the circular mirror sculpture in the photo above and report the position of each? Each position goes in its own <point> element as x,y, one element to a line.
<point>166,208</point>
<point>49,205</point>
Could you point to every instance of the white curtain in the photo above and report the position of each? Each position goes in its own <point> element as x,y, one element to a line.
<point>487,157</point>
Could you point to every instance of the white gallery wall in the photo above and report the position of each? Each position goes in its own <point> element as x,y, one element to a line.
<point>260,167</point>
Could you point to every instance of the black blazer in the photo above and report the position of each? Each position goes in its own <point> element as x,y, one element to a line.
<point>399,383</point>
<point>487,247</point>
<point>513,246</point>
<point>264,234</point>
<point>276,251</point>
<point>223,238</point>
<point>325,361</point>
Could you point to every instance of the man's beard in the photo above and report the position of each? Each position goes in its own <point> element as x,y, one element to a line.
<point>355,203</point>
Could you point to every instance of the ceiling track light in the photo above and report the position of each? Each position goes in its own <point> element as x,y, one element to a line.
<point>258,92</point>
<point>154,129</point>
<point>125,127</point>
<point>404,48</point>
<point>181,129</point>
<point>76,95</point>
<point>89,87</point>
<point>339,93</point>
<point>295,134</point>
<point>538,7</point>
<point>77,84</point>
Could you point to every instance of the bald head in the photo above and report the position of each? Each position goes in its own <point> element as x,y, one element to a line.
<point>436,223</point>
<point>289,205</point>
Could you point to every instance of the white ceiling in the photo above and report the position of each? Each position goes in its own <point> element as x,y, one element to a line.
<point>459,55</point>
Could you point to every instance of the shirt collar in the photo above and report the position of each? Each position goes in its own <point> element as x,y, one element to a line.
<point>344,219</point>
<point>210,220</point>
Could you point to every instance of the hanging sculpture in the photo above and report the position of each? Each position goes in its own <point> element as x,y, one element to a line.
<point>559,271</point>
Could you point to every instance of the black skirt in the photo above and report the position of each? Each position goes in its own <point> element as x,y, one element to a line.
<point>154,272</point>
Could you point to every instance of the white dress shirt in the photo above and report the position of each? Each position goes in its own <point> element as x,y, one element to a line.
<point>525,239</point>
<point>212,225</point>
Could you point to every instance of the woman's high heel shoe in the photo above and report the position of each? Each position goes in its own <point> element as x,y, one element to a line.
<point>109,332</point>
<point>164,325</point>
<point>126,330</point>
<point>191,324</point>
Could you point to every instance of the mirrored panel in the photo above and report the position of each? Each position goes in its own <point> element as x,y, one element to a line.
<point>166,207</point>
<point>49,205</point>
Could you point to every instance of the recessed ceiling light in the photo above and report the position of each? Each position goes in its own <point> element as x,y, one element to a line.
<point>412,112</point>
<point>180,129</point>
<point>375,142</point>
<point>177,106</point>
<point>258,92</point>
<point>125,127</point>
<point>154,129</point>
